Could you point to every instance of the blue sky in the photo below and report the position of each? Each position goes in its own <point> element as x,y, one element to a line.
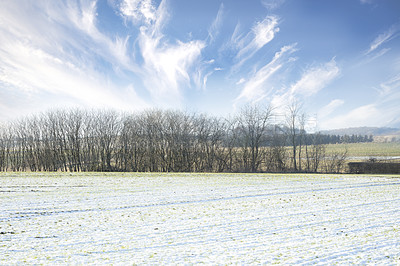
<point>339,59</point>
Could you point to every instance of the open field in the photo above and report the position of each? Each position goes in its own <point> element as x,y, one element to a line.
<point>370,149</point>
<point>191,218</point>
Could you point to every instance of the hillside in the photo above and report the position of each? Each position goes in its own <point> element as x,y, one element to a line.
<point>375,131</point>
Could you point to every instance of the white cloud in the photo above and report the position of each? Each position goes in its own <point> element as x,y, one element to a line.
<point>366,115</point>
<point>272,4</point>
<point>261,34</point>
<point>113,49</point>
<point>329,108</point>
<point>388,101</point>
<point>73,58</point>
<point>237,37</point>
<point>168,67</point>
<point>214,29</point>
<point>383,38</point>
<point>265,30</point>
<point>255,89</point>
<point>372,56</point>
<point>381,111</point>
<point>366,1</point>
<point>167,64</point>
<point>241,81</point>
<point>138,10</point>
<point>315,79</point>
<point>388,87</point>
<point>50,54</point>
<point>35,71</point>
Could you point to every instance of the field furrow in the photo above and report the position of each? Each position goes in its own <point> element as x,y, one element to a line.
<point>194,218</point>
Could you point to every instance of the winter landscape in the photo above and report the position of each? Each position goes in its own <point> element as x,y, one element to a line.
<point>198,218</point>
<point>167,132</point>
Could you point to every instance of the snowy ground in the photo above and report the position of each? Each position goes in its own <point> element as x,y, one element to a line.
<point>195,218</point>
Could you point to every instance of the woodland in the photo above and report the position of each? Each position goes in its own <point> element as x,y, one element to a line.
<point>155,140</point>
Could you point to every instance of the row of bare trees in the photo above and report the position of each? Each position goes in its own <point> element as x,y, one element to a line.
<point>161,141</point>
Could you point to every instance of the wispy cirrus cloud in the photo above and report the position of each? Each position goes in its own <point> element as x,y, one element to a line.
<point>272,4</point>
<point>255,88</point>
<point>138,11</point>
<point>381,111</point>
<point>261,34</point>
<point>114,49</point>
<point>264,31</point>
<point>311,82</point>
<point>374,115</point>
<point>168,67</point>
<point>214,29</point>
<point>315,79</point>
<point>74,59</point>
<point>47,73</point>
<point>167,64</point>
<point>384,37</point>
<point>206,67</point>
<point>330,108</point>
<point>366,115</point>
<point>390,86</point>
<point>52,50</point>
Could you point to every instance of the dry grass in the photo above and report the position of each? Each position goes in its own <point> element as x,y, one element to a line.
<point>372,149</point>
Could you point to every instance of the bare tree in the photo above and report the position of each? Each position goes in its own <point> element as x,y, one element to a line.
<point>253,123</point>
<point>156,140</point>
<point>301,138</point>
<point>229,142</point>
<point>292,122</point>
<point>3,150</point>
<point>73,128</point>
<point>108,128</point>
<point>276,156</point>
<point>335,162</point>
<point>207,145</point>
<point>316,153</point>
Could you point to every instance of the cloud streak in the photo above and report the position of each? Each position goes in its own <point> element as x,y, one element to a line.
<point>272,4</point>
<point>311,82</point>
<point>330,108</point>
<point>138,11</point>
<point>390,86</point>
<point>256,88</point>
<point>46,73</point>
<point>73,59</point>
<point>136,53</point>
<point>366,115</point>
<point>316,78</point>
<point>56,63</point>
<point>383,38</point>
<point>166,64</point>
<point>261,34</point>
<point>214,29</point>
<point>381,111</point>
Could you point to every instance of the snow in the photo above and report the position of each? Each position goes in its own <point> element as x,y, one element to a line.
<point>99,218</point>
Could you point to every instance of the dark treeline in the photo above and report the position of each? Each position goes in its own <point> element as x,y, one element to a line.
<point>163,141</point>
<point>335,139</point>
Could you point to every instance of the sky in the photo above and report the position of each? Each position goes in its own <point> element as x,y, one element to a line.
<point>337,59</point>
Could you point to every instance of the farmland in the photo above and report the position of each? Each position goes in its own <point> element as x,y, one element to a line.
<point>371,150</point>
<point>48,218</point>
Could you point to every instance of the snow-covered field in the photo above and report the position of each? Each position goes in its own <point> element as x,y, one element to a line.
<point>194,218</point>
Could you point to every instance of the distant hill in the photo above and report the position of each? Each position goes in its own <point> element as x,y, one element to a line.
<point>375,131</point>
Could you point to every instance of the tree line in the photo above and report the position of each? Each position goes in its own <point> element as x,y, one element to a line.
<point>164,141</point>
<point>335,139</point>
